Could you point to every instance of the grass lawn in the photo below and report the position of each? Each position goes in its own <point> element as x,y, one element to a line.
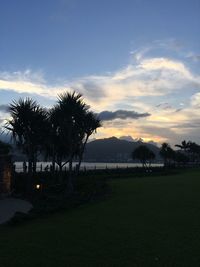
<point>153,221</point>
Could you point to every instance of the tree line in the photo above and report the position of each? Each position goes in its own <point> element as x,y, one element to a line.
<point>188,153</point>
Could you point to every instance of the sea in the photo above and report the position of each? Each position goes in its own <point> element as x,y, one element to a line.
<point>45,166</point>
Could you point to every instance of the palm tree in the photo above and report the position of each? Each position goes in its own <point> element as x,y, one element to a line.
<point>144,154</point>
<point>194,150</point>
<point>68,122</point>
<point>28,128</point>
<point>56,146</point>
<point>167,153</point>
<point>184,146</point>
<point>191,149</point>
<point>72,111</point>
<point>90,125</point>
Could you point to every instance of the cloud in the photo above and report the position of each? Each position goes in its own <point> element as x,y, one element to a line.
<point>91,88</point>
<point>4,108</point>
<point>164,105</point>
<point>195,100</point>
<point>121,114</point>
<point>149,77</point>
<point>150,84</point>
<point>194,57</point>
<point>161,132</point>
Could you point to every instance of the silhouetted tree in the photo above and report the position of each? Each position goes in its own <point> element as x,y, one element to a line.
<point>144,154</point>
<point>56,142</point>
<point>167,153</point>
<point>183,146</point>
<point>181,158</point>
<point>4,148</point>
<point>194,151</point>
<point>89,126</point>
<point>191,149</point>
<point>71,124</point>
<point>27,125</point>
<point>62,132</point>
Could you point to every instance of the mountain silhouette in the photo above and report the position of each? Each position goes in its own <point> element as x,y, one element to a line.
<point>114,150</point>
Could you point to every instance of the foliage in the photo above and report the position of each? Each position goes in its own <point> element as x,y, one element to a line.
<point>28,126</point>
<point>167,153</point>
<point>191,150</point>
<point>144,154</point>
<point>71,124</point>
<point>181,158</point>
<point>61,133</point>
<point>183,146</point>
<point>4,148</point>
<point>52,198</point>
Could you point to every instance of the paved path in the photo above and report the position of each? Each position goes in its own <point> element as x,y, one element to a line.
<point>9,206</point>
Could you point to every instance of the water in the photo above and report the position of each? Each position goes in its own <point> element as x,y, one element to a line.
<point>88,165</point>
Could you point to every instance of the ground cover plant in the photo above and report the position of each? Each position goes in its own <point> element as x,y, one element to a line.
<point>146,221</point>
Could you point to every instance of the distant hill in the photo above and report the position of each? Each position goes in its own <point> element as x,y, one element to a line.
<point>114,150</point>
<point>100,150</point>
<point>127,138</point>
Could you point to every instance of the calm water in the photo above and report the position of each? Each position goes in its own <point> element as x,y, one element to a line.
<point>87,165</point>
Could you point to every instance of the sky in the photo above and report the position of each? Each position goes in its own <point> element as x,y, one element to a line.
<point>136,62</point>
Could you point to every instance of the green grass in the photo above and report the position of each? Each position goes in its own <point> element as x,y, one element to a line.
<point>153,221</point>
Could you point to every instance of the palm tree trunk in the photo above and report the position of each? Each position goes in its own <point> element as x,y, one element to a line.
<point>29,183</point>
<point>53,163</point>
<point>60,167</point>
<point>53,160</point>
<point>70,186</point>
<point>30,165</point>
<point>81,155</point>
<point>34,163</point>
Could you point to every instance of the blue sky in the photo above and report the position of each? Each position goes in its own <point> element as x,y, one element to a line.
<point>134,55</point>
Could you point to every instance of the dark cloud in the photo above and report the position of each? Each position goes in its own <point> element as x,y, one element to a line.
<point>90,89</point>
<point>121,114</point>
<point>178,110</point>
<point>164,132</point>
<point>188,124</point>
<point>171,134</point>
<point>164,106</point>
<point>4,108</point>
<point>194,57</point>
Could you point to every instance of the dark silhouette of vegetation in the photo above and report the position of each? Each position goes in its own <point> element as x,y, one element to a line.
<point>4,148</point>
<point>5,168</point>
<point>168,154</point>
<point>181,158</point>
<point>61,133</point>
<point>183,146</point>
<point>191,150</point>
<point>28,125</point>
<point>194,151</point>
<point>71,124</point>
<point>144,154</point>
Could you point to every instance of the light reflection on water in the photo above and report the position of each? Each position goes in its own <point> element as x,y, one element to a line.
<point>87,165</point>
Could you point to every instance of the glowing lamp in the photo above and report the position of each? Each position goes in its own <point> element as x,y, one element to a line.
<point>38,186</point>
